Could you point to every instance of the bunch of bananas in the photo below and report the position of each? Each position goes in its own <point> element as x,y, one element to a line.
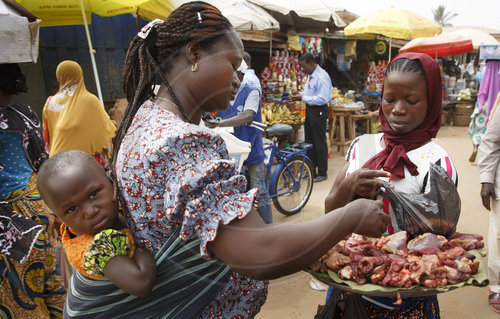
<point>336,92</point>
<point>273,113</point>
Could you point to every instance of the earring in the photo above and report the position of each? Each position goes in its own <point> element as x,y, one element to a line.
<point>194,67</point>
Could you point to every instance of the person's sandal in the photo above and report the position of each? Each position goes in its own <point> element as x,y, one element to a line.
<point>494,299</point>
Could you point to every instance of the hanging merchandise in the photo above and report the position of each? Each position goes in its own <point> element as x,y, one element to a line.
<point>380,47</point>
<point>312,45</point>
<point>293,42</point>
<point>342,64</point>
<point>350,49</point>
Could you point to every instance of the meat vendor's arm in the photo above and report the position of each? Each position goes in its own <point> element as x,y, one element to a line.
<point>262,251</point>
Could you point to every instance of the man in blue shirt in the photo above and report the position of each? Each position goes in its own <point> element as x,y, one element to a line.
<point>317,93</point>
<point>244,109</point>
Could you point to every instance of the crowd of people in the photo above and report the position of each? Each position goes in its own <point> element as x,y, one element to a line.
<point>152,218</point>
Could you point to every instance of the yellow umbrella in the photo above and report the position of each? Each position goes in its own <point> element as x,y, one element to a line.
<point>70,12</point>
<point>394,23</point>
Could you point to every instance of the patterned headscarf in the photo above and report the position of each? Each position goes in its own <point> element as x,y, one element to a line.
<point>393,158</point>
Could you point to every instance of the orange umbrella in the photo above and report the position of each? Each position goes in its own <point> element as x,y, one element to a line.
<point>441,45</point>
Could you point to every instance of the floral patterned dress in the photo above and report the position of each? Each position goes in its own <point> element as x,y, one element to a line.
<point>178,178</point>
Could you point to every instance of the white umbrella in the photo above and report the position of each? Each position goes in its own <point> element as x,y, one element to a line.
<point>18,36</point>
<point>243,15</point>
<point>319,10</point>
<point>477,36</point>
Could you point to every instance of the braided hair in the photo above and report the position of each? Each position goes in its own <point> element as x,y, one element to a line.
<point>194,21</point>
<point>404,65</point>
<point>149,58</point>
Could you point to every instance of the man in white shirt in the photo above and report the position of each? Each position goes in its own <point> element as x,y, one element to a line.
<point>317,94</point>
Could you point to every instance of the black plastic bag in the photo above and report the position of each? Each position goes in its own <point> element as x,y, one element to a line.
<point>435,212</point>
<point>343,306</point>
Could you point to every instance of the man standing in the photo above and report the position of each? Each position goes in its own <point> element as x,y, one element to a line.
<point>242,111</point>
<point>489,177</point>
<point>317,93</point>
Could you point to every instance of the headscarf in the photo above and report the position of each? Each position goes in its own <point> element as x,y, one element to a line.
<point>489,87</point>
<point>393,158</point>
<point>74,117</point>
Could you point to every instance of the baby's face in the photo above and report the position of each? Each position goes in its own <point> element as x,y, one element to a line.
<point>83,198</point>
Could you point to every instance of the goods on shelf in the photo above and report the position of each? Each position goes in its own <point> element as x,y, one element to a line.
<point>375,77</point>
<point>273,113</point>
<point>282,76</point>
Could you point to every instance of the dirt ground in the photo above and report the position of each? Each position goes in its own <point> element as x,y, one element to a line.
<point>292,297</point>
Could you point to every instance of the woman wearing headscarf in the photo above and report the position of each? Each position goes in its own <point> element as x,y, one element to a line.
<point>74,118</point>
<point>488,91</point>
<point>31,286</point>
<point>410,117</point>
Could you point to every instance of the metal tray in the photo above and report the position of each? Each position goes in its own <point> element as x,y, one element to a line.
<point>415,291</point>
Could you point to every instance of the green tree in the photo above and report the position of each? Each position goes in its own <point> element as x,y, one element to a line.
<point>442,17</point>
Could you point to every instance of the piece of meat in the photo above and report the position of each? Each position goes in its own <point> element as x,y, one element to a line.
<point>393,243</point>
<point>467,244</point>
<point>474,267</point>
<point>318,264</point>
<point>346,272</point>
<point>451,253</point>
<point>395,276</point>
<point>379,273</point>
<point>466,236</point>
<point>431,260</point>
<point>440,275</point>
<point>453,275</point>
<point>337,260</point>
<point>366,264</point>
<point>464,265</point>
<point>427,243</point>
<point>416,266</point>
<point>469,256</point>
<point>339,247</point>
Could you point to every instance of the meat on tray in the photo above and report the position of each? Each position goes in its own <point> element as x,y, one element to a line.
<point>394,261</point>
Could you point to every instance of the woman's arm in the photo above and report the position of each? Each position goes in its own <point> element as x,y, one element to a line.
<point>134,276</point>
<point>262,251</point>
<point>362,183</point>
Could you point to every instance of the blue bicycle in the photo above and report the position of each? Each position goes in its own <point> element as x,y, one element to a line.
<point>289,175</point>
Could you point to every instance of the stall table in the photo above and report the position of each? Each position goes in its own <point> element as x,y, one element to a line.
<point>341,117</point>
<point>372,99</point>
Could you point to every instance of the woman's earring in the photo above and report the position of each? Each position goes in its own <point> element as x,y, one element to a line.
<point>194,67</point>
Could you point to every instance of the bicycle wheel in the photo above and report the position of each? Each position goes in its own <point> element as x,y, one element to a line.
<point>293,199</point>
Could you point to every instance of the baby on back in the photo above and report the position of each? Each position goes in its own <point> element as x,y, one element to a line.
<point>94,233</point>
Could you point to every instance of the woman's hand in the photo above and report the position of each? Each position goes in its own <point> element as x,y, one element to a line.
<point>488,193</point>
<point>365,183</point>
